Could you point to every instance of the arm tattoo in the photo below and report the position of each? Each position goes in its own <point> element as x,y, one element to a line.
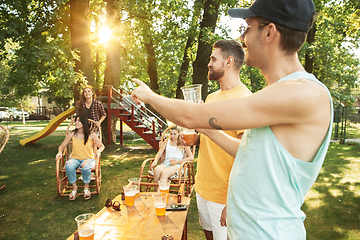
<point>212,124</point>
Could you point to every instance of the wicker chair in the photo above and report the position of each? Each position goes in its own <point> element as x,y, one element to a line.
<point>181,184</point>
<point>63,186</point>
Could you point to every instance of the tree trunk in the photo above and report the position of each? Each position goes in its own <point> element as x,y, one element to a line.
<point>112,70</point>
<point>207,26</point>
<point>184,68</point>
<point>80,39</point>
<point>151,68</point>
<point>152,71</point>
<point>190,41</point>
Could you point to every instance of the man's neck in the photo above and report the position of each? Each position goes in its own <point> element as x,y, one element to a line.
<point>229,81</point>
<point>279,69</point>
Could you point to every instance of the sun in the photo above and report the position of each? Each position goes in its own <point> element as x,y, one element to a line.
<point>104,34</point>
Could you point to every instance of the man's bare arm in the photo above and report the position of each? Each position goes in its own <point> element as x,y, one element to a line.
<point>287,102</point>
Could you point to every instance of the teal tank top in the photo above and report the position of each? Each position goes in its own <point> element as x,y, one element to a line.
<point>267,185</point>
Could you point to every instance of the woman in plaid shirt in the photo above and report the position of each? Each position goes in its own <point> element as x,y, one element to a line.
<point>90,107</point>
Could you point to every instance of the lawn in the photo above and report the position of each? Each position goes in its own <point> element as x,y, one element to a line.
<point>30,207</point>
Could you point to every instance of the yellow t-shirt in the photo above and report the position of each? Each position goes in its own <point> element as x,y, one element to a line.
<point>213,163</point>
<point>81,151</point>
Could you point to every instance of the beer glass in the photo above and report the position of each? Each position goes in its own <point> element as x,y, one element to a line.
<point>86,226</point>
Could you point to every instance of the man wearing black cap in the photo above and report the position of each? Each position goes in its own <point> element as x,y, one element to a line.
<point>289,122</point>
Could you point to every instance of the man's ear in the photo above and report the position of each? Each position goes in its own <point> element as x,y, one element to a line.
<point>229,61</point>
<point>271,32</point>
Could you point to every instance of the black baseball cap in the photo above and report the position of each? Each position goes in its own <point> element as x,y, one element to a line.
<point>294,14</point>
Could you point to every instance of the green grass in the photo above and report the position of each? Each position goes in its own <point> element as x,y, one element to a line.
<point>333,204</point>
<point>352,130</point>
<point>31,209</point>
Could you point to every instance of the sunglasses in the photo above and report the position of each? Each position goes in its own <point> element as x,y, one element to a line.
<point>115,205</point>
<point>243,28</point>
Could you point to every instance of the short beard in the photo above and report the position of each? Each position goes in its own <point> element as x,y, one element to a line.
<point>216,75</point>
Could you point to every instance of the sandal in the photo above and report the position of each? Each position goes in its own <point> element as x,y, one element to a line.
<point>73,195</point>
<point>87,194</point>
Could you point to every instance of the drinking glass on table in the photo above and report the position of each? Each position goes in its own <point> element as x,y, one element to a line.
<point>164,185</point>
<point>136,182</point>
<point>160,203</point>
<point>130,192</point>
<point>191,93</point>
<point>86,226</point>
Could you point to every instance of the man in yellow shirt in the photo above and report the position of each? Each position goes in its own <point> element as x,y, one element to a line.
<point>214,164</point>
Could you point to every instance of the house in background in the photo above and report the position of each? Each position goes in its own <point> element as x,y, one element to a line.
<point>44,108</point>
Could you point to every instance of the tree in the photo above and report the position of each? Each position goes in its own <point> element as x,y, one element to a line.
<point>113,50</point>
<point>327,51</point>
<point>155,41</point>
<point>192,32</point>
<point>207,28</point>
<point>112,70</point>
<point>42,46</point>
<point>81,41</point>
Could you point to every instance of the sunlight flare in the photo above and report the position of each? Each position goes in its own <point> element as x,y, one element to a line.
<point>104,34</point>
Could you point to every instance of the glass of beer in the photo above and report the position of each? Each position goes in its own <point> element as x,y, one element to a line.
<point>130,192</point>
<point>164,186</point>
<point>192,93</point>
<point>189,135</point>
<point>160,203</point>
<point>86,226</point>
<point>136,182</point>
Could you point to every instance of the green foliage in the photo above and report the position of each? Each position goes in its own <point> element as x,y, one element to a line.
<point>337,33</point>
<point>252,78</point>
<point>38,53</point>
<point>41,56</point>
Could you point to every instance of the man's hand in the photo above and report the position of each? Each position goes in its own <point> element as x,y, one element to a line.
<point>223,218</point>
<point>141,93</point>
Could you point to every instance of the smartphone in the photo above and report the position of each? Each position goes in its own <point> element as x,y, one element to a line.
<point>176,207</point>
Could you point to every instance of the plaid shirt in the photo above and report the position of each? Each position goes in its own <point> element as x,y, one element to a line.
<point>97,110</point>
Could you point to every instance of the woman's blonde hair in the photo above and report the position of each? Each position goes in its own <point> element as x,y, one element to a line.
<point>178,141</point>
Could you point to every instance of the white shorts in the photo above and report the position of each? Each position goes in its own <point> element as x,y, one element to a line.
<point>209,216</point>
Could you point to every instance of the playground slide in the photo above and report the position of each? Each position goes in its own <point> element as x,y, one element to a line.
<point>50,128</point>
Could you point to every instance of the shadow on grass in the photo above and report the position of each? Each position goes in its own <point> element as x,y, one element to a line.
<point>332,205</point>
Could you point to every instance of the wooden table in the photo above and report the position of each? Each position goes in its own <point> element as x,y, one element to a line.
<point>140,221</point>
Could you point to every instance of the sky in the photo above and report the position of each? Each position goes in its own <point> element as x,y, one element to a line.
<point>233,24</point>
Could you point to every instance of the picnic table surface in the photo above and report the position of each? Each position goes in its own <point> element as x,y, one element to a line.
<point>140,220</point>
